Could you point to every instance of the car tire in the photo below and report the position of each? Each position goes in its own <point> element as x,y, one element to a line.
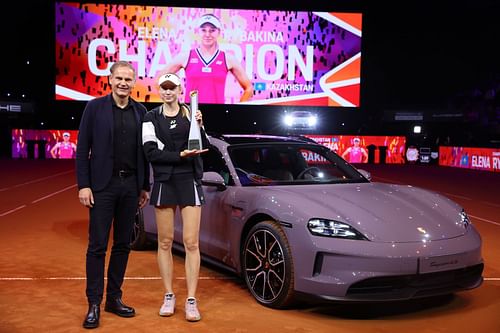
<point>267,265</point>
<point>138,239</point>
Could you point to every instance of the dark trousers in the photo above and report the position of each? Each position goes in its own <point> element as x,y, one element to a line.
<point>115,205</point>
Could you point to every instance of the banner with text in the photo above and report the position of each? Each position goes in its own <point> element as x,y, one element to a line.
<point>291,57</point>
<point>487,159</point>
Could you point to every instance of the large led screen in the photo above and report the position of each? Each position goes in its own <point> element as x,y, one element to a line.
<point>355,149</point>
<point>290,57</point>
<point>487,159</point>
<point>44,144</point>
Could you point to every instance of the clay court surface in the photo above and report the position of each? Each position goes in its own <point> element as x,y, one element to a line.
<point>43,239</point>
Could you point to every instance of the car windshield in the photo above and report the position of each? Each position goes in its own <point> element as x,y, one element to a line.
<point>290,164</point>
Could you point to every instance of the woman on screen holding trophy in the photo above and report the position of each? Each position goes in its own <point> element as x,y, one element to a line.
<point>173,139</point>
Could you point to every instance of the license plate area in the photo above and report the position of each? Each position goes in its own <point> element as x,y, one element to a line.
<point>440,263</point>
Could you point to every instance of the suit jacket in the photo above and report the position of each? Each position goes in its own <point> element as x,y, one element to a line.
<point>94,152</point>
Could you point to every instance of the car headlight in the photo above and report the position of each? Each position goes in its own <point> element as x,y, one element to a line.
<point>464,219</point>
<point>330,228</point>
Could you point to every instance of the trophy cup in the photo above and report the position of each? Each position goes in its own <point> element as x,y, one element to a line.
<point>194,140</point>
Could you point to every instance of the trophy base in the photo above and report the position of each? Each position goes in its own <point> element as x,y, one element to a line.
<point>194,144</point>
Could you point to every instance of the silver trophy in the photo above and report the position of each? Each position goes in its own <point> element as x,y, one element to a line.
<point>194,140</point>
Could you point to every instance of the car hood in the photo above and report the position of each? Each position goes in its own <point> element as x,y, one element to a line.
<point>382,212</point>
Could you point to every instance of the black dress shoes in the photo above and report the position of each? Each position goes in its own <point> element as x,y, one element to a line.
<point>92,318</point>
<point>117,307</point>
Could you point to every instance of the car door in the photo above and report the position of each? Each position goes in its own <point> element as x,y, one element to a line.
<point>214,230</point>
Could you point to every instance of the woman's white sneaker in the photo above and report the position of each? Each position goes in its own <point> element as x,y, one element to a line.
<point>192,313</point>
<point>168,307</point>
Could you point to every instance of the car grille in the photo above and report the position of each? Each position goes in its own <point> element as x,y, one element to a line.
<point>420,285</point>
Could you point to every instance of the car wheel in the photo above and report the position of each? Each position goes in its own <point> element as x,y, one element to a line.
<point>268,266</point>
<point>138,239</point>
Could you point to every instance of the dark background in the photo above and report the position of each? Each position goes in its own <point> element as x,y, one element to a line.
<point>439,59</point>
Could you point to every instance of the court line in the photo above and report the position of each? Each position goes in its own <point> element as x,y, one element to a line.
<point>36,180</point>
<point>484,220</point>
<point>58,278</point>
<point>470,199</point>
<point>12,210</point>
<point>37,200</point>
<point>52,194</point>
<point>68,278</point>
<point>460,196</point>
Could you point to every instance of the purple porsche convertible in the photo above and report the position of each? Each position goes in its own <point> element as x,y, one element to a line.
<point>293,219</point>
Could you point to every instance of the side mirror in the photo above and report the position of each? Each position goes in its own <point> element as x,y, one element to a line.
<point>212,178</point>
<point>365,174</point>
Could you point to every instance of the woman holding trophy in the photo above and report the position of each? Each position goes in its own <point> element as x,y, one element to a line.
<point>173,139</point>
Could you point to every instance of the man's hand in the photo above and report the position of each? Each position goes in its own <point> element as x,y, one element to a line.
<point>143,199</point>
<point>86,197</point>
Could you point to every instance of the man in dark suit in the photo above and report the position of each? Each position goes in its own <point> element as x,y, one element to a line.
<point>113,181</point>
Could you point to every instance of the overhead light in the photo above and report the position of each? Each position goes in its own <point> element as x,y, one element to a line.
<point>417,129</point>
